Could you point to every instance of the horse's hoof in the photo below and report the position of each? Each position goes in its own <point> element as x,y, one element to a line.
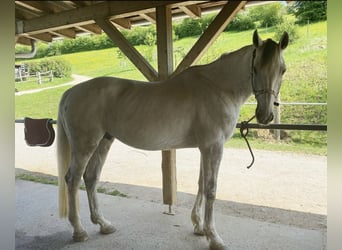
<point>108,229</point>
<point>217,245</point>
<point>80,236</point>
<point>198,230</point>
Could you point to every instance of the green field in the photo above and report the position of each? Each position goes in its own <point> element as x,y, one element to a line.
<point>304,81</point>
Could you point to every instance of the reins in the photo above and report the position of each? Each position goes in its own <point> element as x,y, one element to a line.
<point>244,132</point>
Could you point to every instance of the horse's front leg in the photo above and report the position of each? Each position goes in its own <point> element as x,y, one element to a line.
<point>211,157</point>
<point>197,211</point>
<point>91,177</point>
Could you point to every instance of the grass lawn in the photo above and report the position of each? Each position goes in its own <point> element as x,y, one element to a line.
<point>304,81</point>
<point>32,83</point>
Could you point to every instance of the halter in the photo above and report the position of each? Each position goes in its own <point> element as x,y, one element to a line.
<point>261,91</point>
<point>244,125</point>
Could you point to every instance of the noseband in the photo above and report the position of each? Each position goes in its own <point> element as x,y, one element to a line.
<point>261,91</point>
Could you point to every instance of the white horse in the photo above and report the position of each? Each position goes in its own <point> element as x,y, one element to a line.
<point>196,108</point>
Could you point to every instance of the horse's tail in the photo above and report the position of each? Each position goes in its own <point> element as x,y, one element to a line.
<point>63,161</point>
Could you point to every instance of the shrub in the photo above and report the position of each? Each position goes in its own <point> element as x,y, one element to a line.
<point>60,68</point>
<point>289,27</point>
<point>189,27</point>
<point>240,23</point>
<point>268,15</point>
<point>141,35</point>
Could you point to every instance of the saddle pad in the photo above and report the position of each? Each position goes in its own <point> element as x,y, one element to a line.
<point>39,132</point>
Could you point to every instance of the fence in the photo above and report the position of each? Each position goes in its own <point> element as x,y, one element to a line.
<point>278,125</point>
<point>23,76</point>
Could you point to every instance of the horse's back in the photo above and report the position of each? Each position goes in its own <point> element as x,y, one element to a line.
<point>86,104</point>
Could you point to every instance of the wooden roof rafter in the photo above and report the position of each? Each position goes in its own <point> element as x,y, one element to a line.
<point>69,18</point>
<point>48,20</point>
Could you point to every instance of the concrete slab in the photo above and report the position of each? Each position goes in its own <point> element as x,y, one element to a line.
<point>142,225</point>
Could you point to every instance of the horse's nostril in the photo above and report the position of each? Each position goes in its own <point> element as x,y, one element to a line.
<point>271,117</point>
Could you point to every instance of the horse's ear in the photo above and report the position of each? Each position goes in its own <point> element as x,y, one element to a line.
<point>284,40</point>
<point>256,39</point>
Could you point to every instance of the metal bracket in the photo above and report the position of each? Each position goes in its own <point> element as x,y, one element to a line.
<point>170,212</point>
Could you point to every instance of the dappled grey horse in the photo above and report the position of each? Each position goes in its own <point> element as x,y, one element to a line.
<point>196,108</point>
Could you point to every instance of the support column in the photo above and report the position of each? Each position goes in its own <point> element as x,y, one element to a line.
<point>165,69</point>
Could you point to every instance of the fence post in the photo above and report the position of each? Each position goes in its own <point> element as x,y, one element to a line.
<point>20,76</point>
<point>39,78</point>
<point>51,76</point>
<point>277,118</point>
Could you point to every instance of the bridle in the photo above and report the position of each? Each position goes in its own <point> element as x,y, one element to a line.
<point>261,91</point>
<point>244,125</point>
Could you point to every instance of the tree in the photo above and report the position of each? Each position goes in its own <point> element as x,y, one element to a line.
<point>312,11</point>
<point>268,15</point>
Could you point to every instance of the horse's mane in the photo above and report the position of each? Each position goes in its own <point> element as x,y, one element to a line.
<point>269,50</point>
<point>227,54</point>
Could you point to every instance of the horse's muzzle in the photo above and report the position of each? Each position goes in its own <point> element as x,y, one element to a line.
<point>262,119</point>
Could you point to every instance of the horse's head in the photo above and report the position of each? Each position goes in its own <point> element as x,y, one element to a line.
<point>268,67</point>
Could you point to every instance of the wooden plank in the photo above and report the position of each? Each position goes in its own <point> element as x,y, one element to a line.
<point>151,17</point>
<point>84,15</point>
<point>193,11</point>
<point>210,34</point>
<point>136,58</point>
<point>23,40</point>
<point>68,33</point>
<point>123,23</point>
<point>92,28</point>
<point>44,37</point>
<point>165,69</point>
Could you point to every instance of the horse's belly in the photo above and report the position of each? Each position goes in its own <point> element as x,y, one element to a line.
<point>152,138</point>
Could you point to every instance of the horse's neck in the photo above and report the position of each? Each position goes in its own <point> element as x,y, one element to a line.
<point>232,74</point>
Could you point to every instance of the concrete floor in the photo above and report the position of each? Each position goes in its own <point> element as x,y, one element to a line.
<point>141,225</point>
<point>280,203</point>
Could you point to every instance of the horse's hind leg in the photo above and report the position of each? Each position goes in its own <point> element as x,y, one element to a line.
<point>197,211</point>
<point>79,159</point>
<point>91,177</point>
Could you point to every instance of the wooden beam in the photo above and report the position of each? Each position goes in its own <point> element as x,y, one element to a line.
<point>23,40</point>
<point>164,42</point>
<point>84,15</point>
<point>44,37</point>
<point>151,17</point>
<point>210,34</point>
<point>33,6</point>
<point>136,58</point>
<point>123,23</point>
<point>68,33</point>
<point>193,11</point>
<point>165,69</point>
<point>169,177</point>
<point>92,28</point>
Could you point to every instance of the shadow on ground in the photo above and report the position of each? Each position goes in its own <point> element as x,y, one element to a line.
<point>185,200</point>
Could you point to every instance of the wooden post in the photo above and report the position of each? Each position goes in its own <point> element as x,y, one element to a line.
<point>165,69</point>
<point>277,118</point>
<point>39,78</point>
<point>51,76</point>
